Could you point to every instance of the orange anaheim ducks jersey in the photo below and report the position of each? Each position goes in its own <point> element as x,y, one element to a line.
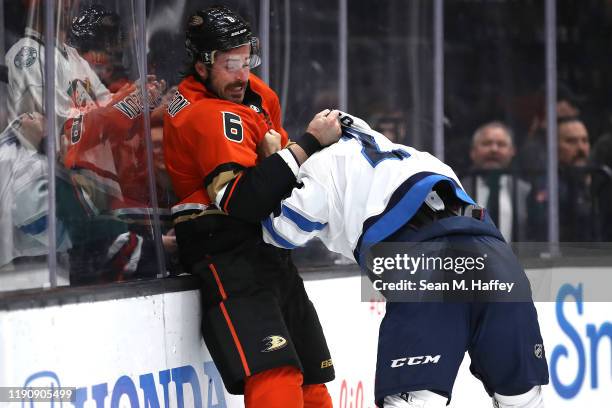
<point>208,141</point>
<point>107,145</point>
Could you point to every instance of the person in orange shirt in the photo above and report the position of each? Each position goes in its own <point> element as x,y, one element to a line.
<point>222,146</point>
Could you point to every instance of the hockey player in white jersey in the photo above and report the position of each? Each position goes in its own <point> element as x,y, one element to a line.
<point>23,192</point>
<point>77,89</point>
<point>365,191</point>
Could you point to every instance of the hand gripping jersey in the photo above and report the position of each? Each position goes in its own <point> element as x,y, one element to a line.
<point>357,192</point>
<point>77,86</point>
<point>210,143</point>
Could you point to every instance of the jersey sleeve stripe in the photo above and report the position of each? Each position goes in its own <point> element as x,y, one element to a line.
<point>301,221</point>
<point>218,186</point>
<point>275,236</point>
<point>224,168</point>
<point>35,227</point>
<point>290,159</point>
<point>226,199</point>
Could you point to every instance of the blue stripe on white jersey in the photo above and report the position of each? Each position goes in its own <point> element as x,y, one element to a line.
<point>8,138</point>
<point>36,227</point>
<point>301,221</point>
<point>414,191</point>
<point>278,239</point>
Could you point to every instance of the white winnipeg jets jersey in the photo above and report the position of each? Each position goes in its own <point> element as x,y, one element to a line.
<point>77,86</point>
<point>357,192</point>
<point>24,201</point>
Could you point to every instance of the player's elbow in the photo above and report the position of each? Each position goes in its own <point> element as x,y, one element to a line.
<point>257,192</point>
<point>252,206</point>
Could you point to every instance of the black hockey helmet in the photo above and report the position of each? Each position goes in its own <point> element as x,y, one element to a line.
<point>218,28</point>
<point>96,28</point>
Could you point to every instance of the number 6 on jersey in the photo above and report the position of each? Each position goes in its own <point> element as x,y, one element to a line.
<point>232,126</point>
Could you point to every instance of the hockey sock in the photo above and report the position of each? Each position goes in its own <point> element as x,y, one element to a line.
<point>530,399</point>
<point>275,388</point>
<point>420,399</point>
<point>316,396</point>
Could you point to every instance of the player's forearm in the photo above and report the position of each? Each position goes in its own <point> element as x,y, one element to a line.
<point>306,146</point>
<point>258,190</point>
<point>298,153</point>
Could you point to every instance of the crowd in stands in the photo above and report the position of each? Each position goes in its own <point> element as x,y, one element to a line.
<point>512,182</point>
<point>507,172</point>
<point>105,206</point>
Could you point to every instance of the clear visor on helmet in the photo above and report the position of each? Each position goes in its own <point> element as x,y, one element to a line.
<point>233,62</point>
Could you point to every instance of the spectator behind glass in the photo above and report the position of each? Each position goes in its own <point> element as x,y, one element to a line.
<point>579,214</point>
<point>602,182</point>
<point>574,145</point>
<point>166,197</point>
<point>391,124</point>
<point>494,184</point>
<point>532,154</point>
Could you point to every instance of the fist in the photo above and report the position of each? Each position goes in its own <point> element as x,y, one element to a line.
<point>155,91</point>
<point>325,126</point>
<point>270,144</point>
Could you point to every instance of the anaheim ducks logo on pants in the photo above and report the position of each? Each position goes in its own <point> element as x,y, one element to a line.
<point>274,343</point>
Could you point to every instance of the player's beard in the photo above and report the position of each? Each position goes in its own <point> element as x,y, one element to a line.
<point>226,92</point>
<point>233,94</point>
<point>580,159</point>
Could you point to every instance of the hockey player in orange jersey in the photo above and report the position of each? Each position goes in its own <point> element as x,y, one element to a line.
<point>258,323</point>
<point>104,148</point>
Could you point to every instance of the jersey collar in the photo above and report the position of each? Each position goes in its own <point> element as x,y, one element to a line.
<point>36,36</point>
